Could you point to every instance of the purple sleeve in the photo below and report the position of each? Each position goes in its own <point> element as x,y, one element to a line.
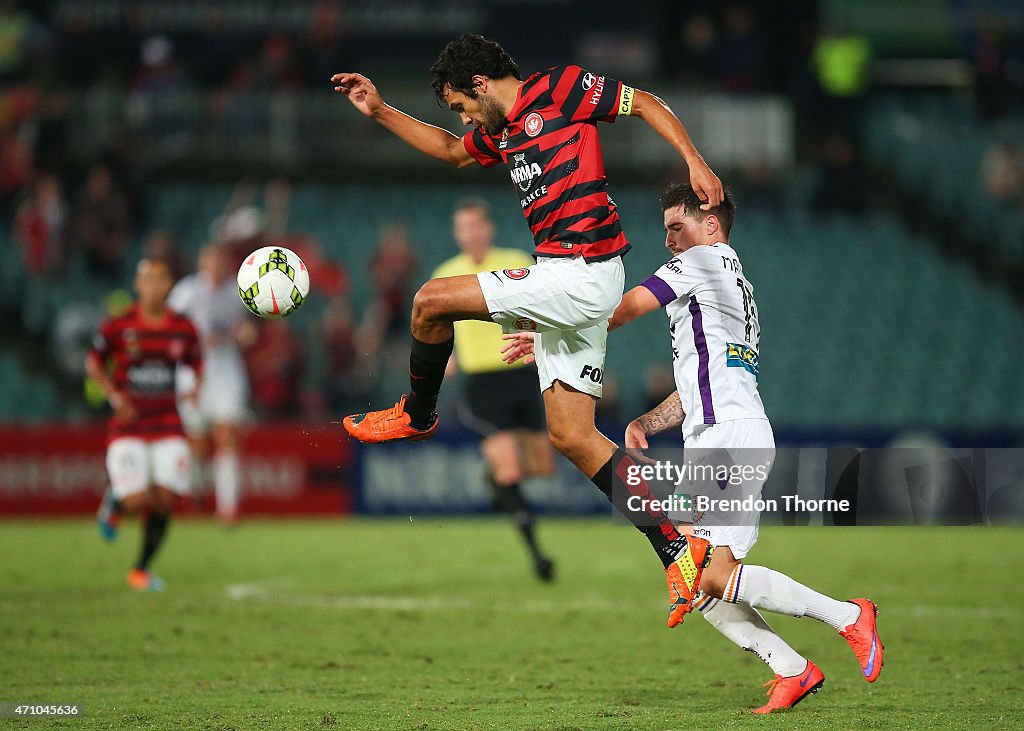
<point>660,289</point>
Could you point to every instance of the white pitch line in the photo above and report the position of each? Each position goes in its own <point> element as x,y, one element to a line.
<point>282,590</point>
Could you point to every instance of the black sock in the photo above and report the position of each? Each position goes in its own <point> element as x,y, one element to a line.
<point>509,499</point>
<point>152,536</point>
<point>664,538</point>
<point>427,362</point>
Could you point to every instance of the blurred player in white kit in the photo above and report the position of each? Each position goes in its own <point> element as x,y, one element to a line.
<point>210,299</point>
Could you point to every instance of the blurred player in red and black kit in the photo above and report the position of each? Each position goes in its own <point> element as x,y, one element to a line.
<point>544,129</point>
<point>134,360</point>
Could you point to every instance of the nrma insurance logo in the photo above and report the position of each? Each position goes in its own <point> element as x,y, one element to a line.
<point>524,172</point>
<point>738,355</point>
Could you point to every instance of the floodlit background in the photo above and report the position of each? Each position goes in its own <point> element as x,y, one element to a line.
<point>875,149</point>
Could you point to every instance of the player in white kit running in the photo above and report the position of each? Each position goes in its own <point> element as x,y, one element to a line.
<point>715,333</point>
<point>210,299</point>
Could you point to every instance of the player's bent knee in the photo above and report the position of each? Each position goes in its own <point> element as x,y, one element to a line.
<point>161,500</point>
<point>135,503</point>
<point>568,443</point>
<point>713,582</point>
<point>507,476</point>
<point>428,303</point>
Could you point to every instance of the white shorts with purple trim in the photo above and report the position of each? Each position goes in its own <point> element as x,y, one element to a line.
<point>748,445</point>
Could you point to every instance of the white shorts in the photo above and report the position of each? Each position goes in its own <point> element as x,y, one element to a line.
<point>567,302</point>
<point>749,443</point>
<point>135,464</point>
<point>222,399</point>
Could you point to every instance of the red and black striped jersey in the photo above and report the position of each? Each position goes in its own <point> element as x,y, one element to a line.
<point>142,359</point>
<point>551,147</point>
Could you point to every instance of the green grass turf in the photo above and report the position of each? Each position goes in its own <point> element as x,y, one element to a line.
<point>437,624</point>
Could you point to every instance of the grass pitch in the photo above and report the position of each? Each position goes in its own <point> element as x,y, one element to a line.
<point>437,624</point>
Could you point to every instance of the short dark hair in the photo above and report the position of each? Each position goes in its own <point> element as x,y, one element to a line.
<point>161,260</point>
<point>683,194</point>
<point>473,204</point>
<point>468,55</point>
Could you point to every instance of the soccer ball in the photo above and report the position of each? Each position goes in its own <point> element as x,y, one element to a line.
<point>273,282</point>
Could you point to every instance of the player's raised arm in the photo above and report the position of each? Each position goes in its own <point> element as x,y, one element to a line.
<point>657,113</point>
<point>635,303</point>
<point>428,139</point>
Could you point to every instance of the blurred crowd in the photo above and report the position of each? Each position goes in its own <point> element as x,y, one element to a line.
<point>65,206</point>
<point>277,353</point>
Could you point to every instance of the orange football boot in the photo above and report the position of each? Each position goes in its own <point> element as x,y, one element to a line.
<point>683,577</point>
<point>787,692</point>
<point>862,637</point>
<point>389,425</point>
<point>142,580</point>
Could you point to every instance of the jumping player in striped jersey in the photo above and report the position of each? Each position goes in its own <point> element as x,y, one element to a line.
<point>715,331</point>
<point>134,360</point>
<point>544,131</point>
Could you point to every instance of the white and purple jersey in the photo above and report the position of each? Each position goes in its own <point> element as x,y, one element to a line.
<point>715,334</point>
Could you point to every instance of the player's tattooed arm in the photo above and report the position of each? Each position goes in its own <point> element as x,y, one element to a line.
<point>666,415</point>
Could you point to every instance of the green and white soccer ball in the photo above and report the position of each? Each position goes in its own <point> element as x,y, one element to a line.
<point>273,282</point>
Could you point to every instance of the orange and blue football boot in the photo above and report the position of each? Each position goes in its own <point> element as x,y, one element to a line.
<point>862,637</point>
<point>108,516</point>
<point>683,576</point>
<point>389,425</point>
<point>787,692</point>
<point>142,580</point>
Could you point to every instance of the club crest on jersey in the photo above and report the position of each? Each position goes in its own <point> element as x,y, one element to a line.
<point>742,356</point>
<point>534,124</point>
<point>130,339</point>
<point>523,172</point>
<point>516,273</point>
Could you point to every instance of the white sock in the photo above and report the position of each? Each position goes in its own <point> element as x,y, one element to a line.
<point>771,591</point>
<point>225,483</point>
<point>745,626</point>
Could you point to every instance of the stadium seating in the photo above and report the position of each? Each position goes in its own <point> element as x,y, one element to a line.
<point>864,325</point>
<point>936,147</point>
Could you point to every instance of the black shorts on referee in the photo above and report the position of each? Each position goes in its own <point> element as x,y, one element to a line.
<point>502,400</point>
